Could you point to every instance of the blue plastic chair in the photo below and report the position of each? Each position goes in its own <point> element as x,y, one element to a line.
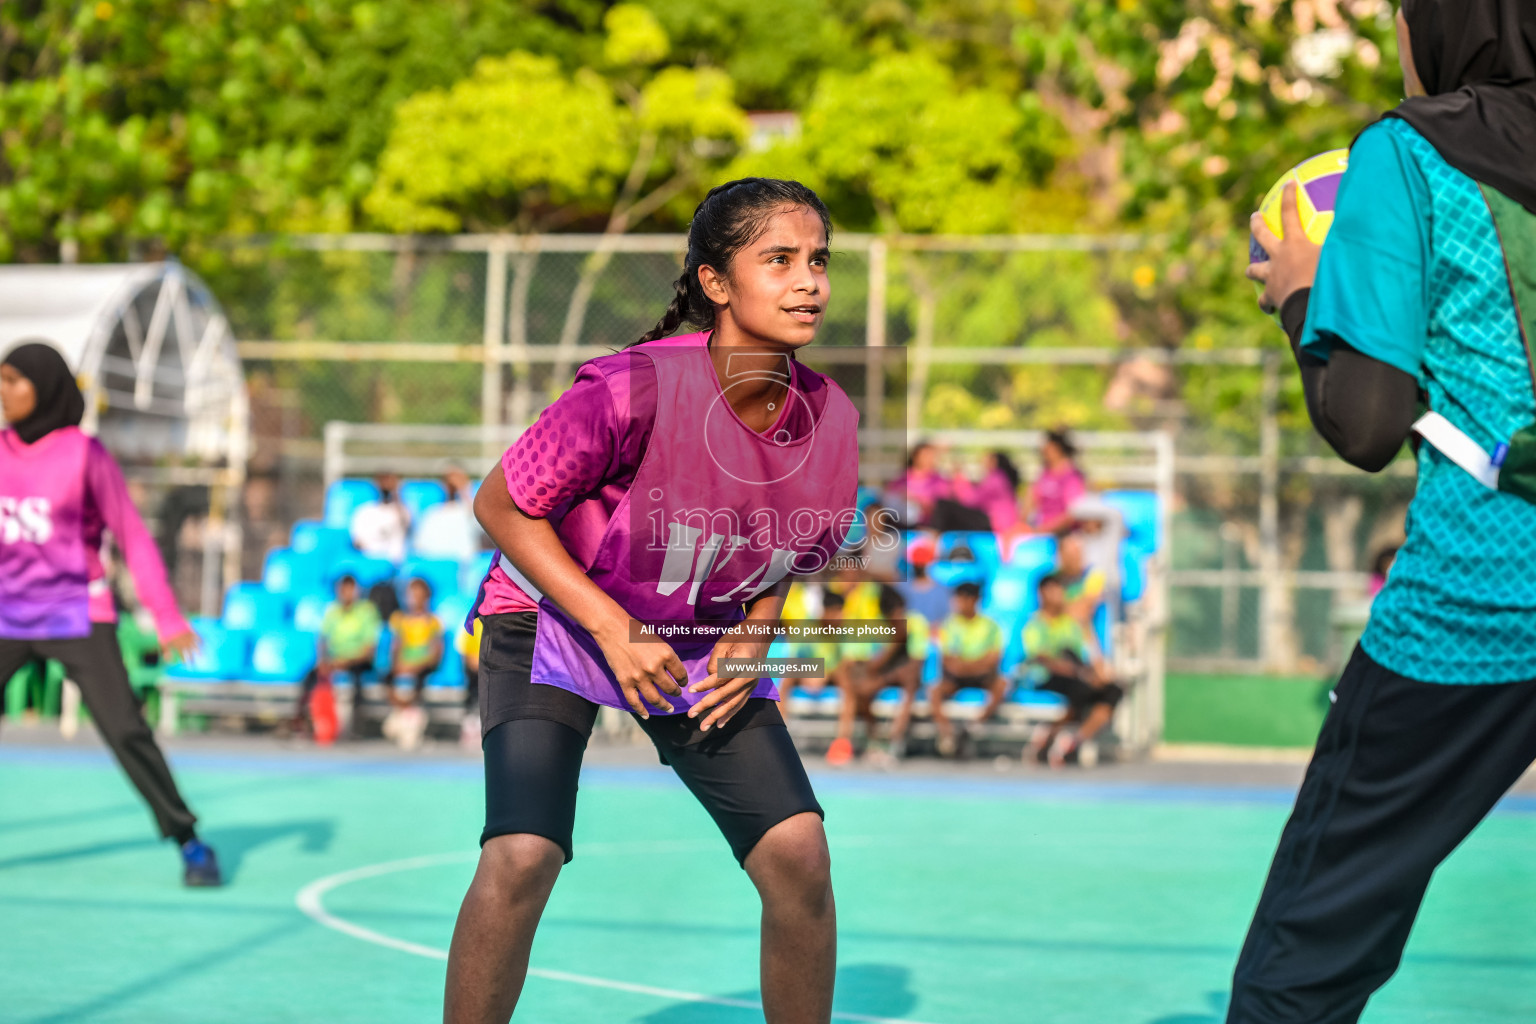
<point>251,607</point>
<point>325,543</point>
<point>366,570</point>
<point>309,612</point>
<point>1011,594</point>
<point>1013,643</point>
<point>1043,699</point>
<point>344,497</point>
<point>441,574</point>
<point>382,652</point>
<point>983,545</point>
<point>289,573</point>
<point>222,656</point>
<point>1033,553</point>
<point>1101,629</point>
<point>450,671</point>
<point>419,495</point>
<point>473,571</point>
<point>451,611</point>
<point>1139,510</point>
<point>1133,574</point>
<point>282,656</point>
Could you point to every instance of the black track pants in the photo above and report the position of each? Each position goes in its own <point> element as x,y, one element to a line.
<point>95,664</point>
<point>1403,771</point>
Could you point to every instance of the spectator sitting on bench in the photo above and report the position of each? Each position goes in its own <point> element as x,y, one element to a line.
<point>1082,582</point>
<point>900,663</point>
<point>1066,658</point>
<point>972,649</point>
<point>922,592</point>
<point>806,605</point>
<point>416,652</point>
<point>349,639</point>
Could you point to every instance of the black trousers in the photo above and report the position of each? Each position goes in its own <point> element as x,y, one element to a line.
<point>1403,771</point>
<point>95,664</point>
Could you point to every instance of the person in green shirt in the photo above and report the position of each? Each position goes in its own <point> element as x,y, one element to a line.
<point>972,649</point>
<point>1063,658</point>
<point>348,641</point>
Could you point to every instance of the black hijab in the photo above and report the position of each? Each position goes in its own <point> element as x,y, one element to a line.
<point>1477,60</point>
<point>59,402</point>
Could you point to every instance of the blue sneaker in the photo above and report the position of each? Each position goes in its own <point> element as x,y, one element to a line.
<point>200,864</point>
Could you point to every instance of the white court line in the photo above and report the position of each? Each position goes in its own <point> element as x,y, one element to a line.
<point>311,901</point>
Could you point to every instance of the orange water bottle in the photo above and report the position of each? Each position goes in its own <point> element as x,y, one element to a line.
<point>322,710</point>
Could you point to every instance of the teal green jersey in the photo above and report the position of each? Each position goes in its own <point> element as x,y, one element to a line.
<point>1413,274</point>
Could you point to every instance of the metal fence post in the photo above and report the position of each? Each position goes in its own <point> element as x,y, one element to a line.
<point>874,337</point>
<point>1272,596</point>
<point>495,333</point>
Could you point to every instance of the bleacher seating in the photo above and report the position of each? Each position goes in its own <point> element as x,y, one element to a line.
<point>344,497</point>
<point>309,612</point>
<point>1142,524</point>
<point>223,655</point>
<point>363,568</point>
<point>267,633</point>
<point>419,495</point>
<point>441,574</point>
<point>252,607</point>
<point>325,543</point>
<point>282,656</point>
<point>473,571</point>
<point>291,573</point>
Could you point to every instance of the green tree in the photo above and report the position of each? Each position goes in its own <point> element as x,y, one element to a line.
<point>521,145</point>
<point>155,124</point>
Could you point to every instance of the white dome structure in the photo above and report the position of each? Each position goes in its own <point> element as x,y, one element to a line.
<point>151,349</point>
<point>163,385</point>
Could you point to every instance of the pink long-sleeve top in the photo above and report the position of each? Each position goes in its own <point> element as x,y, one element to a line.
<point>41,558</point>
<point>994,495</point>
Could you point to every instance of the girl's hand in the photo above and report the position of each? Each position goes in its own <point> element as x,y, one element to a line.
<point>1292,263</point>
<point>728,695</point>
<point>182,645</point>
<point>645,670</point>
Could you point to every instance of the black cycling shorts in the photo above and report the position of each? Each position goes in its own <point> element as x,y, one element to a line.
<point>747,773</point>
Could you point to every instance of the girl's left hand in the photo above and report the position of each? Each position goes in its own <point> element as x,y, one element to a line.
<point>183,645</point>
<point>1292,263</point>
<point>726,696</point>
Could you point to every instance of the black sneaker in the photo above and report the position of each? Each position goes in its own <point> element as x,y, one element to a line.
<point>200,865</point>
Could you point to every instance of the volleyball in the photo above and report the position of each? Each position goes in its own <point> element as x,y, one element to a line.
<point>1318,180</point>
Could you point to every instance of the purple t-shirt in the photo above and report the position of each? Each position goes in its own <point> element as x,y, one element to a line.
<point>577,461</point>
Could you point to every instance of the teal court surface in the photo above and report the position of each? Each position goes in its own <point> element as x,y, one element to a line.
<point>964,895</point>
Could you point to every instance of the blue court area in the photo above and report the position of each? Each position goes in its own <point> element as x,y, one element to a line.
<point>964,896</point>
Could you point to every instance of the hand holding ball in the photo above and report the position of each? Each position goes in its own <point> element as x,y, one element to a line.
<point>1289,229</point>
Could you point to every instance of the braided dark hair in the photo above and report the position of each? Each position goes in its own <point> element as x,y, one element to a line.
<point>728,219</point>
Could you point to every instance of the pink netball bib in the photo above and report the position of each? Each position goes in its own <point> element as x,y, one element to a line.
<point>44,573</point>
<point>717,514</point>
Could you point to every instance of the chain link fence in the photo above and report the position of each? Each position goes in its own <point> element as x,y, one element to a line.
<point>1271,539</point>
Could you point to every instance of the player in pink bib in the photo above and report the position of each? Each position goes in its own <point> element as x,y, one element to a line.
<point>673,491</point>
<point>59,490</point>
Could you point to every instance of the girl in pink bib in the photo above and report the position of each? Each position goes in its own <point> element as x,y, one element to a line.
<point>647,523</point>
<point>59,491</point>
